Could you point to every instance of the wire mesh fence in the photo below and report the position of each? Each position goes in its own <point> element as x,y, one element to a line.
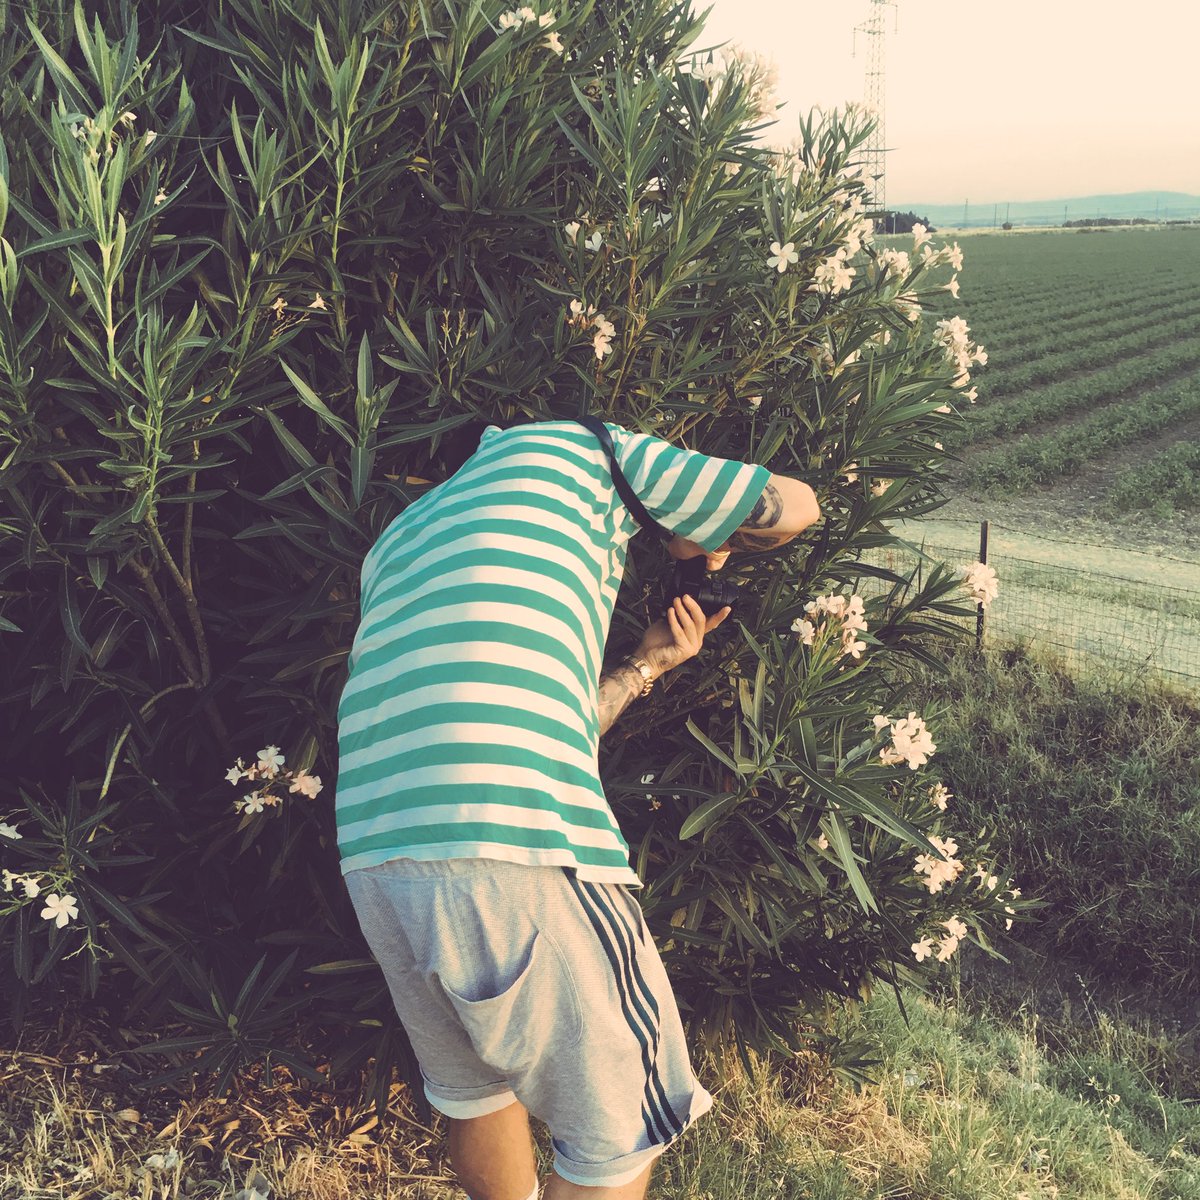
<point>1088,616</point>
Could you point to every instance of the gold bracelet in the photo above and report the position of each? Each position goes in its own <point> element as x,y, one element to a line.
<point>645,670</point>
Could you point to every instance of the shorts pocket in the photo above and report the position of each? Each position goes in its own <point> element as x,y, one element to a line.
<point>537,1013</point>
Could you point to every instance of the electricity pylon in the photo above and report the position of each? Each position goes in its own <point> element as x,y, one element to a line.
<point>875,168</point>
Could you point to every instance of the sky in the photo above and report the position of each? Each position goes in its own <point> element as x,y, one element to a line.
<point>987,103</point>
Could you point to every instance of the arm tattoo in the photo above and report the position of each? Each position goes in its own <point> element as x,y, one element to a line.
<point>617,688</point>
<point>767,510</point>
<point>764,515</point>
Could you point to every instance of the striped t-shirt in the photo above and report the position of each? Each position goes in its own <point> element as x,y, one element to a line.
<point>469,724</point>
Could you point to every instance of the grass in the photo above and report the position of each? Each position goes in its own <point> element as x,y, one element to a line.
<point>1046,1076</point>
<point>967,1106</point>
<point>1092,784</point>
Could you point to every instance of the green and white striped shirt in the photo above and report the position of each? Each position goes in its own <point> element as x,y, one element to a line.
<point>469,724</point>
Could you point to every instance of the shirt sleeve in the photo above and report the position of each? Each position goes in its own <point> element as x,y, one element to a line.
<point>695,495</point>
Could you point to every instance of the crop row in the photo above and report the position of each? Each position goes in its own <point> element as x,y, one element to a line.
<point>1094,389</point>
<point>1032,460</point>
<point>1018,352</point>
<point>1103,353</point>
<point>1032,312</point>
<point>1168,481</point>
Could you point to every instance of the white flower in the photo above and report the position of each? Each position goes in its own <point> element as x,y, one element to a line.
<point>911,743</point>
<point>938,446</point>
<point>956,927</point>
<point>806,630</point>
<point>10,831</point>
<point>318,301</point>
<point>781,256</point>
<point>270,760</point>
<point>833,275</point>
<point>158,199</point>
<point>8,876</point>
<point>922,949</point>
<point>920,236</point>
<point>578,315</point>
<point>732,168</point>
<point>980,581</point>
<point>235,773</point>
<point>253,803</point>
<point>948,947</point>
<point>279,305</point>
<point>553,42</point>
<point>594,242</point>
<point>306,784</point>
<point>31,886</point>
<point>59,909</point>
<point>851,472</point>
<point>509,20</point>
<point>149,137</point>
<point>823,842</point>
<point>895,263</point>
<point>128,117</point>
<point>602,345</point>
<point>850,646</point>
<point>754,401</point>
<point>545,19</point>
<point>881,486</point>
<point>571,229</point>
<point>943,408</point>
<point>952,287</point>
<point>526,13</point>
<point>939,794</point>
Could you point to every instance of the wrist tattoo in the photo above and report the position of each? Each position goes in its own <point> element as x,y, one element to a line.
<point>617,688</point>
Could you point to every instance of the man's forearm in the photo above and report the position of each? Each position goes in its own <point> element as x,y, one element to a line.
<point>617,687</point>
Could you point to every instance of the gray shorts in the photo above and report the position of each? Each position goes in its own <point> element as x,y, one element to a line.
<point>519,982</point>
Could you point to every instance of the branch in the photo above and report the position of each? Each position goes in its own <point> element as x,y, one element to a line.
<point>173,631</point>
<point>189,596</point>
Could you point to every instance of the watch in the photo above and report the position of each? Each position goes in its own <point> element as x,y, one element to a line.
<point>647,673</point>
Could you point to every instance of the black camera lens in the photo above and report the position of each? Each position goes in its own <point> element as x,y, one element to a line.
<point>691,579</point>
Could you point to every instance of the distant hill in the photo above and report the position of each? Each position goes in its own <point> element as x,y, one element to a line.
<point>1160,206</point>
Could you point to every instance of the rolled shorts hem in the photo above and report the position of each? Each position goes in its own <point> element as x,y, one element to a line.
<point>472,1101</point>
<point>629,1166</point>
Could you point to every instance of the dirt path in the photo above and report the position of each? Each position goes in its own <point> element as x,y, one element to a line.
<point>1072,509</point>
<point>1045,527</point>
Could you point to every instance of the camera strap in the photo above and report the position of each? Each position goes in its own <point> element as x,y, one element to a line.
<point>626,493</point>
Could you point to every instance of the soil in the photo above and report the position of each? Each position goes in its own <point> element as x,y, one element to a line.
<point>1065,522</point>
<point>1053,424</point>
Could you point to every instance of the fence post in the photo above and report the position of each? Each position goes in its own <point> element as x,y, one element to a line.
<point>983,547</point>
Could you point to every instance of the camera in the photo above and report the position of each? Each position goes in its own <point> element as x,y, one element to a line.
<point>691,579</point>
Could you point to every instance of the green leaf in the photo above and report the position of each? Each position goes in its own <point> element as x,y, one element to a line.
<point>839,840</point>
<point>808,740</point>
<point>318,405</point>
<point>290,442</point>
<point>708,812</point>
<point>343,966</point>
<point>713,749</point>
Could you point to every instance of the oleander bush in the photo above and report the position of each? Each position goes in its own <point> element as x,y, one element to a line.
<point>265,271</point>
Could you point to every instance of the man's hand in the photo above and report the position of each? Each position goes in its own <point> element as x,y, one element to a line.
<point>681,547</point>
<point>679,636</point>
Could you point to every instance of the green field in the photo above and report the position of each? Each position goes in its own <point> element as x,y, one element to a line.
<point>1089,405</point>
